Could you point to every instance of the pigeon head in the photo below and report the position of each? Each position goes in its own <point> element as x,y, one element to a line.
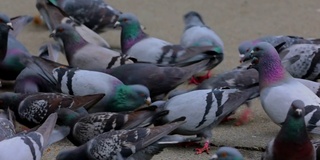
<point>62,30</point>
<point>297,109</point>
<point>127,19</point>
<point>227,153</point>
<point>191,19</point>
<point>130,97</point>
<point>245,47</point>
<point>5,23</point>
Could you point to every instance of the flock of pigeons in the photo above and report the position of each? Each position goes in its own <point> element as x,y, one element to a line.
<point>105,101</point>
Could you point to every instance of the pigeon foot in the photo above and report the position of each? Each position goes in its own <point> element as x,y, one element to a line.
<point>205,148</point>
<point>199,79</point>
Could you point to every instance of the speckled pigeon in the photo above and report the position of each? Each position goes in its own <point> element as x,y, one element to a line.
<point>85,55</point>
<point>204,109</point>
<point>7,129</point>
<point>302,61</point>
<point>197,33</point>
<point>29,146</point>
<point>73,81</point>
<point>84,128</point>
<point>120,143</point>
<point>292,141</point>
<point>247,46</point>
<point>278,89</point>
<point>227,153</point>
<point>95,14</point>
<point>10,67</point>
<point>53,16</point>
<point>32,109</point>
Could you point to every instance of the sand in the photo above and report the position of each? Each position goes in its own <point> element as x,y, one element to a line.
<point>234,21</point>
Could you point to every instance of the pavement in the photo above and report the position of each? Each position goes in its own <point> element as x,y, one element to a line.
<point>234,21</point>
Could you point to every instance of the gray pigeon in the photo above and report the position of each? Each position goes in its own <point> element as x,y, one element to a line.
<point>197,33</point>
<point>204,109</point>
<point>18,23</point>
<point>73,81</point>
<point>33,109</point>
<point>278,89</point>
<point>5,26</point>
<point>247,46</point>
<point>84,128</point>
<point>227,153</point>
<point>136,43</point>
<point>120,143</point>
<point>54,16</point>
<point>31,145</point>
<point>7,129</point>
<point>95,14</point>
<point>302,61</point>
<point>85,55</point>
<point>292,141</point>
<point>28,81</point>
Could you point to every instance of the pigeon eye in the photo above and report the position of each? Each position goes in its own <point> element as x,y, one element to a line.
<point>224,155</point>
<point>142,94</point>
<point>60,30</point>
<point>1,21</point>
<point>124,20</point>
<point>257,49</point>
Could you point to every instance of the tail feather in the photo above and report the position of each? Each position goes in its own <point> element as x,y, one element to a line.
<point>47,127</point>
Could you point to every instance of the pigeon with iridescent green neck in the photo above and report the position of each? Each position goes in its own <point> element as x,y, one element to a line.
<point>74,81</point>
<point>10,67</point>
<point>292,141</point>
<point>197,33</point>
<point>278,89</point>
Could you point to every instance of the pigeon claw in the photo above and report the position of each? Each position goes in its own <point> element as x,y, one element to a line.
<point>205,148</point>
<point>199,79</point>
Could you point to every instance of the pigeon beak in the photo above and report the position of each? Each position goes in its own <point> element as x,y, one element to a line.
<point>246,57</point>
<point>10,25</point>
<point>299,111</point>
<point>53,33</point>
<point>214,157</point>
<point>142,27</point>
<point>148,101</point>
<point>117,24</point>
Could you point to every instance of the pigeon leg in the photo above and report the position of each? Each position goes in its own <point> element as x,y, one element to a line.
<point>197,80</point>
<point>205,148</point>
<point>244,118</point>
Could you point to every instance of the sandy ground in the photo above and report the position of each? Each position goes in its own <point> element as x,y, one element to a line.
<point>233,20</point>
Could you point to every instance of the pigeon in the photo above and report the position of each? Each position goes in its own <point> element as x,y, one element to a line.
<point>85,55</point>
<point>136,43</point>
<point>95,14</point>
<point>292,141</point>
<point>197,33</point>
<point>73,81</point>
<point>5,26</point>
<point>227,153</point>
<point>31,145</point>
<point>10,67</point>
<point>204,109</point>
<point>18,23</point>
<point>158,79</point>
<point>302,61</point>
<point>278,89</point>
<point>120,143</point>
<point>33,109</point>
<point>246,46</point>
<point>84,128</point>
<point>54,16</point>
<point>7,129</point>
<point>29,81</point>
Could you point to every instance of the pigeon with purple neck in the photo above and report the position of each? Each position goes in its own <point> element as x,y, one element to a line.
<point>278,89</point>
